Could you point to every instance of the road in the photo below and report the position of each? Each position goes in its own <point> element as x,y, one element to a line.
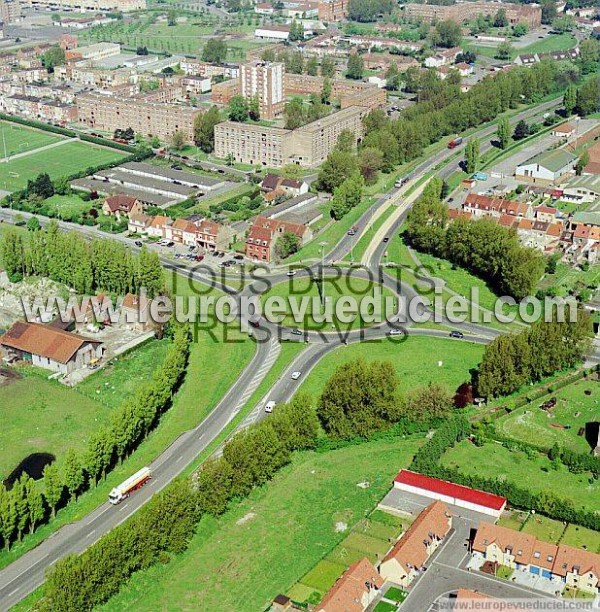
<point>27,573</point>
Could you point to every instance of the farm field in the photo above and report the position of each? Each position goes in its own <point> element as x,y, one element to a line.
<point>265,544</point>
<point>303,289</point>
<point>60,161</point>
<point>554,42</point>
<point>416,361</point>
<point>494,461</point>
<point>67,206</point>
<point>19,139</point>
<point>574,408</point>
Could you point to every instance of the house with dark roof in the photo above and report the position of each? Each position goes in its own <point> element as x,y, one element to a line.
<point>49,347</point>
<point>408,556</point>
<point>122,205</point>
<point>279,185</point>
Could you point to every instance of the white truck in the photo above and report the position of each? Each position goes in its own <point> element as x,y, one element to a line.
<point>119,493</point>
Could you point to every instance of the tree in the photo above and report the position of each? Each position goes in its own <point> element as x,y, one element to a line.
<point>446,34</point>
<point>589,55</point>
<point>99,454</point>
<point>471,155</point>
<point>254,108</point>
<point>503,51</point>
<point>312,66</point>
<point>214,51</point>
<point>392,78</point>
<point>356,67</point>
<point>178,140</point>
<point>214,486</point>
<point>430,402</point>
<point>503,132</point>
<point>367,10</point>
<point>12,255</point>
<point>570,99</point>
<point>582,162</point>
<point>172,18</point>
<point>359,399</point>
<point>468,57</point>
<point>588,97</point>
<point>338,166</point>
<point>19,494</point>
<point>520,29</point>
<point>500,18</point>
<point>8,516</point>
<point>347,196</point>
<point>294,113</point>
<point>548,11</point>
<point>238,109</point>
<point>328,67</point>
<point>521,130</point>
<point>287,244</point>
<point>296,30</point>
<point>370,161</point>
<point>53,486</point>
<point>33,225</point>
<point>204,129</point>
<point>55,56</point>
<point>564,23</point>
<point>346,141</point>
<point>35,504</point>
<point>62,186</point>
<point>73,473</point>
<point>326,91</point>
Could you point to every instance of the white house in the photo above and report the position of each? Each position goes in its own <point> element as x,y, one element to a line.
<point>547,167</point>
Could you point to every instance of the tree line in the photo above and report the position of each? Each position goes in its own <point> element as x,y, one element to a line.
<point>26,505</point>
<point>66,257</point>
<point>483,247</point>
<point>166,524</point>
<point>513,360</point>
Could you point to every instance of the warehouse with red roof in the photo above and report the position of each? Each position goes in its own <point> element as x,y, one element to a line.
<point>457,495</point>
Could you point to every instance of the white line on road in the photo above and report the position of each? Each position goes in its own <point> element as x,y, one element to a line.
<point>13,592</point>
<point>91,533</point>
<point>179,459</point>
<point>123,508</point>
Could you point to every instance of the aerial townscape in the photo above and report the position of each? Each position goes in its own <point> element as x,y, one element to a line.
<point>299,305</point>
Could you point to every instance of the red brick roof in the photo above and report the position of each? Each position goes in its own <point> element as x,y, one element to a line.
<point>346,594</point>
<point>120,202</point>
<point>43,340</point>
<point>450,489</point>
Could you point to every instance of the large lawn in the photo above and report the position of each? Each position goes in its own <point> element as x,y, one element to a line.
<point>494,461</point>
<point>573,410</point>
<point>297,291</point>
<point>44,416</point>
<point>57,162</point>
<point>416,361</point>
<point>270,540</point>
<point>15,138</point>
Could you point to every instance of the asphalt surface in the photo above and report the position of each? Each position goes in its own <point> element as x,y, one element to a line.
<point>27,573</point>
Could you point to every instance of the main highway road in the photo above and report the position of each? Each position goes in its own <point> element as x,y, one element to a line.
<point>27,573</point>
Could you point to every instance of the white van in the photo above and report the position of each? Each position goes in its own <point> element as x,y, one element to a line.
<point>269,406</point>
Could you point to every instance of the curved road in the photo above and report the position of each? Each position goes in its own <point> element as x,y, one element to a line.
<point>27,573</point>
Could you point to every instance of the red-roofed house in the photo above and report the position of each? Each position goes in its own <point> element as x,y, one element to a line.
<point>564,130</point>
<point>408,556</point>
<point>565,565</point>
<point>354,591</point>
<point>260,243</point>
<point>486,206</point>
<point>213,236</point>
<point>451,493</point>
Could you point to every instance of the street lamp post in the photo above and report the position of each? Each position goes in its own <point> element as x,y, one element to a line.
<point>323,245</point>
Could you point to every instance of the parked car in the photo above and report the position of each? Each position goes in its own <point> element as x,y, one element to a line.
<point>395,332</point>
<point>199,257</point>
<point>291,272</point>
<point>296,332</point>
<point>170,244</point>
<point>296,375</point>
<point>386,239</point>
<point>138,243</point>
<point>176,167</point>
<point>269,406</point>
<point>456,334</point>
<point>239,256</point>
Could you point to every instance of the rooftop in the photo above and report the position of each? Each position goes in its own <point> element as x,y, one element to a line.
<point>552,160</point>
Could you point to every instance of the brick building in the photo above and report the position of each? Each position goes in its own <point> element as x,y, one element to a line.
<point>333,10</point>
<point>265,80</point>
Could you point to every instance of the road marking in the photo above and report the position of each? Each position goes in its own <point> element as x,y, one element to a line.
<point>123,508</point>
<point>179,459</point>
<point>91,533</point>
<point>97,516</point>
<point>15,591</point>
<point>200,436</point>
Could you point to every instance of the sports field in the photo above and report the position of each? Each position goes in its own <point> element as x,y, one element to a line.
<point>16,139</point>
<point>58,161</point>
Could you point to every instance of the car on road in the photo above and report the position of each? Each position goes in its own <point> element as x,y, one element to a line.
<point>138,243</point>
<point>292,272</point>
<point>239,256</point>
<point>395,332</point>
<point>296,375</point>
<point>269,406</point>
<point>199,257</point>
<point>456,334</point>
<point>296,332</point>
<point>170,244</point>
<point>386,239</point>
<point>176,167</point>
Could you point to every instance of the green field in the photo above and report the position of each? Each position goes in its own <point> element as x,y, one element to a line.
<point>554,42</point>
<point>67,206</point>
<point>265,544</point>
<point>15,138</point>
<point>60,161</point>
<point>43,416</point>
<point>581,537</point>
<point>416,361</point>
<point>536,474</point>
<point>303,289</point>
<point>544,528</point>
<point>532,424</point>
